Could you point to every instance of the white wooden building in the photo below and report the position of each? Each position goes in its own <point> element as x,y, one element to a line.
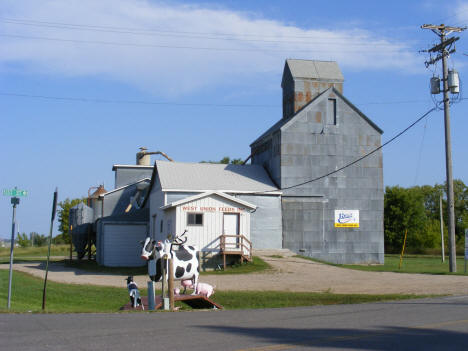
<point>208,215</point>
<point>213,200</point>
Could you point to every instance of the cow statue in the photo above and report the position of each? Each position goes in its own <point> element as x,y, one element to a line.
<point>184,260</point>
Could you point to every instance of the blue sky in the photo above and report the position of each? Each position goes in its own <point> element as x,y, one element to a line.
<point>201,80</point>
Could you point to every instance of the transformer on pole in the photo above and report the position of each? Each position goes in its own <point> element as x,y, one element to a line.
<point>450,84</point>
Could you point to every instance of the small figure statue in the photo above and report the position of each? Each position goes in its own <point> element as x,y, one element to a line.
<point>134,293</point>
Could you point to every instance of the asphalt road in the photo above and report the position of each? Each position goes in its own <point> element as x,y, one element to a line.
<point>425,324</point>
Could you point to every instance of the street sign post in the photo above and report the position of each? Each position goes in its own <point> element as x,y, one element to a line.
<point>466,247</point>
<point>14,193</point>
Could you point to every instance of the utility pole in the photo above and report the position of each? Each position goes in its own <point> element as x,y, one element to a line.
<point>444,49</point>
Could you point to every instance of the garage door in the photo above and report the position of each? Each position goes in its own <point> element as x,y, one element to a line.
<point>121,244</point>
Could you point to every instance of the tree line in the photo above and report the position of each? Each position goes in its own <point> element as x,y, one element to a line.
<point>417,210</point>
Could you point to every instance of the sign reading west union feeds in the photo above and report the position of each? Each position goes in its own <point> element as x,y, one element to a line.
<point>347,218</point>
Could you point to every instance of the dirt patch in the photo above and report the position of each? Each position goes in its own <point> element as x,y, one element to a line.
<point>288,273</point>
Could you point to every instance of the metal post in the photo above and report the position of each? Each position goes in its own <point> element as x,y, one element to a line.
<point>54,208</point>
<point>164,282</point>
<point>448,162</point>
<point>442,229</point>
<point>170,284</point>
<point>151,302</point>
<point>71,245</point>
<point>14,201</point>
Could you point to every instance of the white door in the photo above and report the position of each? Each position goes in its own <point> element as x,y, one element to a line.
<point>231,227</point>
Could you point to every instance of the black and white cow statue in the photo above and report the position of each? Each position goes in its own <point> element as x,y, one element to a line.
<point>184,260</point>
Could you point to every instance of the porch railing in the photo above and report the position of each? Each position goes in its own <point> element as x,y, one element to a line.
<point>235,245</point>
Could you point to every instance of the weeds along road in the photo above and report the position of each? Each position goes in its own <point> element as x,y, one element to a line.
<point>424,324</point>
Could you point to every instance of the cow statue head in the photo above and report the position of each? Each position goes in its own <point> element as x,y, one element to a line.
<point>154,250</point>
<point>147,252</point>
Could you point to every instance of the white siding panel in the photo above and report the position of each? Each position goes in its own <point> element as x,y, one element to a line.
<point>205,237</point>
<point>121,243</point>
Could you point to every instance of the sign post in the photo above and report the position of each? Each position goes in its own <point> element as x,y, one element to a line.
<point>54,209</point>
<point>14,193</point>
<point>466,247</point>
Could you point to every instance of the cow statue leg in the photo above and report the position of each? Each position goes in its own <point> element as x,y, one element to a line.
<point>195,282</point>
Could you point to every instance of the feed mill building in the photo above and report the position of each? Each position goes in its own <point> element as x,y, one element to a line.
<point>281,200</point>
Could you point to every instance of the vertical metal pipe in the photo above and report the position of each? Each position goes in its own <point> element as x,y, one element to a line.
<point>151,304</point>
<point>448,162</point>
<point>12,245</point>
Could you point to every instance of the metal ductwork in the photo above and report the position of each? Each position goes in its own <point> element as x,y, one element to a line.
<point>143,156</point>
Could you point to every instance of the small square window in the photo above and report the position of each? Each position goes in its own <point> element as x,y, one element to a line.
<point>194,219</point>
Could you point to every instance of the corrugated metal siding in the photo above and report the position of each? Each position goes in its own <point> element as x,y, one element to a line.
<point>311,148</point>
<point>125,176</point>
<point>312,69</point>
<point>266,229</point>
<point>120,244</point>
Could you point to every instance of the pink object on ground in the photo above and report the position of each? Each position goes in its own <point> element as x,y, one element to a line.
<point>188,283</point>
<point>204,289</point>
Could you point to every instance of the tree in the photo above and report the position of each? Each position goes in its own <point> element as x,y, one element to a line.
<point>460,192</point>
<point>63,216</point>
<point>23,240</point>
<point>37,239</point>
<point>404,210</point>
<point>227,160</point>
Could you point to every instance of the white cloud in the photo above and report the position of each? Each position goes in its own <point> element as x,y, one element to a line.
<point>171,71</point>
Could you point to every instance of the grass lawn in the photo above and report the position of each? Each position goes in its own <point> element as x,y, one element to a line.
<point>425,264</point>
<point>27,295</point>
<point>257,265</point>
<point>32,253</point>
<point>61,298</point>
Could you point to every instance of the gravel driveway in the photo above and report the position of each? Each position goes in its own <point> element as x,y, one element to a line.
<point>288,273</point>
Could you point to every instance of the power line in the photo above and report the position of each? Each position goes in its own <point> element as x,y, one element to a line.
<point>140,102</point>
<point>114,43</point>
<point>191,34</point>
<point>357,160</point>
<point>143,102</point>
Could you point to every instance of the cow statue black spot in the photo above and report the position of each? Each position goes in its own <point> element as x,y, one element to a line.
<point>184,260</point>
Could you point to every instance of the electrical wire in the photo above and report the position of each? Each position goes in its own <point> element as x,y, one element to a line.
<point>267,49</point>
<point>355,161</point>
<point>191,34</point>
<point>142,102</point>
